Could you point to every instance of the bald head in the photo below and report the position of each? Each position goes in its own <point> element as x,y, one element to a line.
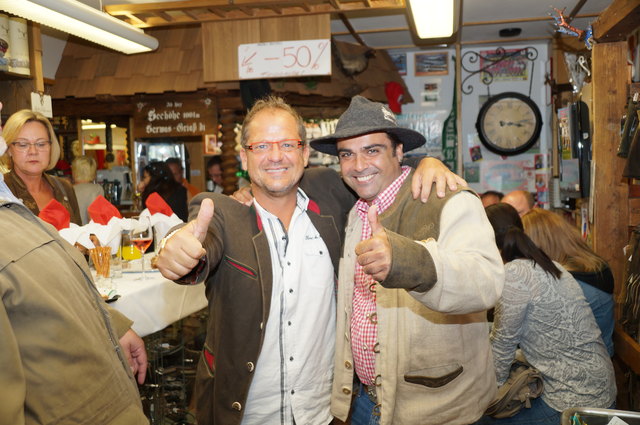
<point>521,200</point>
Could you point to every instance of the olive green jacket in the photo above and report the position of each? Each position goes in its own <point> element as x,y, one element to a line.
<point>60,359</point>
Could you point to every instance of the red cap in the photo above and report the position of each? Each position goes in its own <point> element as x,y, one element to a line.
<point>394,94</point>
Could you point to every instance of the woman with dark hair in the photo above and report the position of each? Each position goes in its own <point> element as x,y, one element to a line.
<point>543,310</point>
<point>157,177</point>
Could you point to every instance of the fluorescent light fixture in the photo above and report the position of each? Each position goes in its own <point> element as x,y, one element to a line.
<point>434,18</point>
<point>96,126</point>
<point>83,21</point>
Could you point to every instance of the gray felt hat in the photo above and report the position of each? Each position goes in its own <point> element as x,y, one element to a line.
<point>364,116</point>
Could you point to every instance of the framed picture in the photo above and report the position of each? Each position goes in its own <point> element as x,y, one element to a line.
<point>432,63</point>
<point>400,61</point>
<point>211,145</point>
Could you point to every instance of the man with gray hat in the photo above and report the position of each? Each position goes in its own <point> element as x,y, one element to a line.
<point>415,282</point>
<point>270,277</point>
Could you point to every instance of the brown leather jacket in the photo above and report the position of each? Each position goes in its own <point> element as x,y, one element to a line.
<point>62,192</point>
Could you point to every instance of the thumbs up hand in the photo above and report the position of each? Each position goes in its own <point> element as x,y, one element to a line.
<point>183,249</point>
<point>374,254</point>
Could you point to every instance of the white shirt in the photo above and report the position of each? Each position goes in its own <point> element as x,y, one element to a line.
<point>294,372</point>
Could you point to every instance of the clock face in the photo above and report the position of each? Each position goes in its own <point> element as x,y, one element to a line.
<point>509,123</point>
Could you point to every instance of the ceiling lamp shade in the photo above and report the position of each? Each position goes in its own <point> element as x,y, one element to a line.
<point>83,21</point>
<point>434,19</point>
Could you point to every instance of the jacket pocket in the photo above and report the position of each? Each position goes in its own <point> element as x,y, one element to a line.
<point>242,268</point>
<point>434,377</point>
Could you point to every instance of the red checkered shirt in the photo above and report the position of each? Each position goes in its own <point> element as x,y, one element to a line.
<point>364,329</point>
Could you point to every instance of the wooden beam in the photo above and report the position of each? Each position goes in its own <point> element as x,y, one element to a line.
<point>35,57</point>
<point>610,190</point>
<point>217,12</point>
<point>617,21</point>
<point>164,15</point>
<point>627,349</point>
<point>519,20</point>
<point>248,11</point>
<point>133,18</point>
<point>335,4</point>
<point>191,14</point>
<point>352,30</point>
<point>241,9</point>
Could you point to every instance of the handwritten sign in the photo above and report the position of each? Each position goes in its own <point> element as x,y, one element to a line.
<point>284,59</point>
<point>174,117</point>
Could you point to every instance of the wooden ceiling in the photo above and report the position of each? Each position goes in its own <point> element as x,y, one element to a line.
<point>147,15</point>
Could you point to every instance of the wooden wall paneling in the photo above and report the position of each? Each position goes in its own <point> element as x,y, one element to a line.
<point>230,164</point>
<point>197,162</point>
<point>610,191</point>
<point>220,40</point>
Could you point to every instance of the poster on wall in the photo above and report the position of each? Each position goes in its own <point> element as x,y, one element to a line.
<point>400,61</point>
<point>505,176</point>
<point>430,125</point>
<point>512,67</point>
<point>431,93</point>
<point>432,63</point>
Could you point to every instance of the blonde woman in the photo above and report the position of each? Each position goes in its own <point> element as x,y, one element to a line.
<point>83,170</point>
<point>33,149</point>
<point>561,241</point>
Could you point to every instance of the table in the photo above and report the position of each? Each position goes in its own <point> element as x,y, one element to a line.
<point>157,302</point>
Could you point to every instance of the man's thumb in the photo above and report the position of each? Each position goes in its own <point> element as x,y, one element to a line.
<point>204,218</point>
<point>372,215</point>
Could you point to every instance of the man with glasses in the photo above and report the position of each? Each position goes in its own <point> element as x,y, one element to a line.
<point>270,271</point>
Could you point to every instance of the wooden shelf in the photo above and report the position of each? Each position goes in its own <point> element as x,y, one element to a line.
<point>6,75</point>
<point>627,349</point>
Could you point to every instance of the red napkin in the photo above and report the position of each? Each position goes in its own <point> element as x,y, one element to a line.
<point>156,204</point>
<point>101,210</point>
<point>55,214</point>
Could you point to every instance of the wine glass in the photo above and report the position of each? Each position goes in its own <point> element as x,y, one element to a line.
<point>141,236</point>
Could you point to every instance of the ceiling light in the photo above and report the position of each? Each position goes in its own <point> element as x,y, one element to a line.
<point>434,18</point>
<point>83,21</point>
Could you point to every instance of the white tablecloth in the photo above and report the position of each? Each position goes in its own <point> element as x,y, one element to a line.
<point>157,302</point>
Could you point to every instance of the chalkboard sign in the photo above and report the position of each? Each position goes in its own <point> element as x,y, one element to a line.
<point>174,117</point>
<point>284,59</point>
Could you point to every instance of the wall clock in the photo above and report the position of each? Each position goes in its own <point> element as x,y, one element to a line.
<point>509,123</point>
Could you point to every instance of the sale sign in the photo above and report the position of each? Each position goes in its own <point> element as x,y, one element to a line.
<point>284,59</point>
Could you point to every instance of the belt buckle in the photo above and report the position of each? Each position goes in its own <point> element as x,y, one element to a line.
<point>371,393</point>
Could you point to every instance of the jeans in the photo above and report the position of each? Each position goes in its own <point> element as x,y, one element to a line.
<point>601,304</point>
<point>539,414</point>
<point>362,410</point>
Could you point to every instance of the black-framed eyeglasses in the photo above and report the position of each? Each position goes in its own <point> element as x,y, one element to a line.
<point>287,145</point>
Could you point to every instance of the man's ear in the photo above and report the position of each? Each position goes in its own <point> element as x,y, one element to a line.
<point>306,151</point>
<point>400,152</point>
<point>243,158</point>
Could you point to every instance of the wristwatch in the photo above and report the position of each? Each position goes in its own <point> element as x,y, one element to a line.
<point>163,242</point>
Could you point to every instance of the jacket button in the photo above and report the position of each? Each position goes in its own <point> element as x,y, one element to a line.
<point>346,391</point>
<point>236,406</point>
<point>261,325</point>
<point>250,366</point>
<point>347,364</point>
